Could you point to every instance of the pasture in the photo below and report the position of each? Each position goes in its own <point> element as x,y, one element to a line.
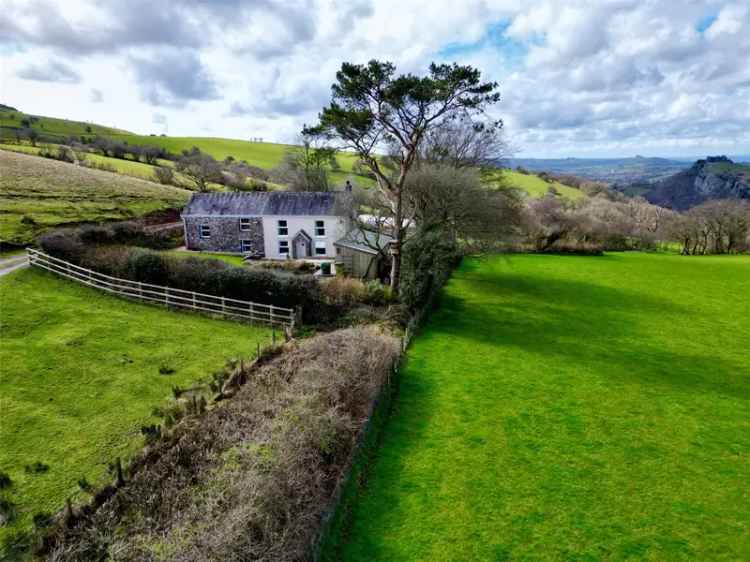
<point>534,185</point>
<point>570,408</point>
<point>37,194</point>
<point>82,372</point>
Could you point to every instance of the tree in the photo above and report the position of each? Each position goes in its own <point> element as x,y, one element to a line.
<point>372,108</point>
<point>305,167</point>
<point>164,175</point>
<point>199,167</point>
<point>32,135</point>
<point>465,143</point>
<point>454,201</point>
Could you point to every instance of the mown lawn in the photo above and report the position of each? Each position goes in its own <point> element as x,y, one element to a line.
<point>80,374</point>
<point>571,408</point>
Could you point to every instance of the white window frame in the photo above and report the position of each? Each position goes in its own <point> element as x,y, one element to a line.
<point>203,229</point>
<point>285,226</point>
<point>245,224</point>
<point>320,245</point>
<point>282,252</point>
<point>320,231</point>
<point>242,245</point>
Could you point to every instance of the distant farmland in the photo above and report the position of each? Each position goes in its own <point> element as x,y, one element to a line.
<point>36,194</point>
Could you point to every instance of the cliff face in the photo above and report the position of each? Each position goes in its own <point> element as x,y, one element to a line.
<point>716,177</point>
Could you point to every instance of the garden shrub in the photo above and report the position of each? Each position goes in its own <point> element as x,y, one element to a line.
<point>428,260</point>
<point>147,267</point>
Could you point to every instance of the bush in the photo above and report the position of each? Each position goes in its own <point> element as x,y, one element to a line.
<point>5,481</point>
<point>164,175</point>
<point>252,480</point>
<point>343,291</point>
<point>292,266</point>
<point>147,267</point>
<point>428,260</point>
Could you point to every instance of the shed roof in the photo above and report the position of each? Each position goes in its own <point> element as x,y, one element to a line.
<point>366,241</point>
<point>259,203</point>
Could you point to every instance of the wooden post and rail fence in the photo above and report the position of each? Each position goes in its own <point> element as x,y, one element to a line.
<point>179,298</point>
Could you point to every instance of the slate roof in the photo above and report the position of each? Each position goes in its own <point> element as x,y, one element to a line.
<point>260,203</point>
<point>364,240</point>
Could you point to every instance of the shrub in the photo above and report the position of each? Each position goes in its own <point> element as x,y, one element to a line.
<point>164,175</point>
<point>253,478</point>
<point>343,291</point>
<point>63,244</point>
<point>147,267</point>
<point>36,468</point>
<point>428,260</point>
<point>292,266</point>
<point>5,481</point>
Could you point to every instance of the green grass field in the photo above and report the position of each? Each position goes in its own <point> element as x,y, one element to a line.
<point>536,186</point>
<point>80,375</point>
<point>37,193</point>
<point>571,408</point>
<point>62,128</point>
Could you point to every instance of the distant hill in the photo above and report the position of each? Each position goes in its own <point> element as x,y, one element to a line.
<point>716,177</point>
<point>13,121</point>
<point>37,194</point>
<point>611,170</point>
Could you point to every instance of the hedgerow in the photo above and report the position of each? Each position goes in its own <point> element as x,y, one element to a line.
<point>249,479</point>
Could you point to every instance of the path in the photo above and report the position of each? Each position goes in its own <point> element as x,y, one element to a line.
<point>12,263</point>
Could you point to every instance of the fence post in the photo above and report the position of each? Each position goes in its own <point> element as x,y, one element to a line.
<point>140,290</point>
<point>223,306</point>
<point>194,305</point>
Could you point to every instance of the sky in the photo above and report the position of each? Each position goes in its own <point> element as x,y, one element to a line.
<point>586,79</point>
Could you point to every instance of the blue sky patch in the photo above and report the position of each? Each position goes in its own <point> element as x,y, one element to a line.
<point>494,37</point>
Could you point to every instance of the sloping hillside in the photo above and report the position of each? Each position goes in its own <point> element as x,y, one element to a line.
<point>37,194</point>
<point>713,178</point>
<point>533,184</point>
<point>12,120</point>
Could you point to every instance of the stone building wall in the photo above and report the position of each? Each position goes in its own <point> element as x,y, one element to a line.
<point>226,235</point>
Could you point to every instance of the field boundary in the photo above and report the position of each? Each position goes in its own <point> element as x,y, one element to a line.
<point>157,294</point>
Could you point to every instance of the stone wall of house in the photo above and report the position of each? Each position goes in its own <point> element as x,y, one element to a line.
<point>226,235</point>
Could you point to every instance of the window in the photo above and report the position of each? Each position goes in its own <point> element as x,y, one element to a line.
<point>320,248</point>
<point>245,225</point>
<point>320,228</point>
<point>246,245</point>
<point>284,247</point>
<point>205,231</point>
<point>283,229</point>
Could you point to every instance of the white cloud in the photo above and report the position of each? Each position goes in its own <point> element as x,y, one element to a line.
<point>576,78</point>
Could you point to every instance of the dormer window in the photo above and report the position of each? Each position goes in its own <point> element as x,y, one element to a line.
<point>283,228</point>
<point>320,228</point>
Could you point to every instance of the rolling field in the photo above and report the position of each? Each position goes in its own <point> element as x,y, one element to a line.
<point>37,194</point>
<point>10,119</point>
<point>81,373</point>
<point>536,186</point>
<point>570,408</point>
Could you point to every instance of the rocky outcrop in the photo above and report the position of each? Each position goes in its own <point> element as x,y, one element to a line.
<point>716,177</point>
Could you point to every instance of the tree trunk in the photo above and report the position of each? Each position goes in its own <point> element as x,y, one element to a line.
<point>396,244</point>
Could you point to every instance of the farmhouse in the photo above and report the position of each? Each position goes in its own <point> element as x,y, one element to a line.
<point>315,226</point>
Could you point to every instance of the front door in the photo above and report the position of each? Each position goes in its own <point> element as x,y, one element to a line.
<point>301,248</point>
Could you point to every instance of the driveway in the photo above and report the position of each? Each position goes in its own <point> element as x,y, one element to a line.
<point>12,263</point>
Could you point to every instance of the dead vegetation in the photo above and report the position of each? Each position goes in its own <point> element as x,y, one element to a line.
<point>250,478</point>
